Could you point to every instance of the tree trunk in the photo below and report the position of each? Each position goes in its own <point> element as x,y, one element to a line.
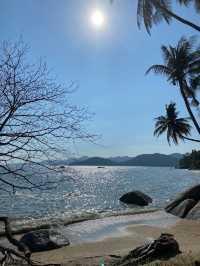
<point>191,139</point>
<point>173,15</point>
<point>188,106</point>
<point>21,246</point>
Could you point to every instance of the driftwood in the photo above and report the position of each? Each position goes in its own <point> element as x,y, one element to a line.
<point>23,254</point>
<point>20,246</point>
<point>164,247</point>
<point>11,256</point>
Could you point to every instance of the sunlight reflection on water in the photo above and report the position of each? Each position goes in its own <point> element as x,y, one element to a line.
<point>98,190</point>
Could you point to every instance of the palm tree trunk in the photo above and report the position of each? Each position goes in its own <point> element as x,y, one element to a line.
<point>190,139</point>
<point>188,106</point>
<point>173,15</point>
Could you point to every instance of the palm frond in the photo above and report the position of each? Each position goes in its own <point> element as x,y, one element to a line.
<point>159,131</point>
<point>197,5</point>
<point>159,69</point>
<point>149,13</point>
<point>195,83</point>
<point>167,5</point>
<point>187,2</point>
<point>165,53</point>
<point>139,13</point>
<point>147,10</point>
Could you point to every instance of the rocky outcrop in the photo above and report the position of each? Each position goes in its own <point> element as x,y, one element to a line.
<point>43,240</point>
<point>187,204</point>
<point>194,213</point>
<point>182,209</point>
<point>137,198</point>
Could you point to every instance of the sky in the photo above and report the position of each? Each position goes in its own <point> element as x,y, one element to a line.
<point>109,65</point>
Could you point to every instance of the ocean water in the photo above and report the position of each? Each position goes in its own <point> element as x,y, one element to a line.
<point>97,190</point>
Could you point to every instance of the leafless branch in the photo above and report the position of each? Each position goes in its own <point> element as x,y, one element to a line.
<point>36,119</point>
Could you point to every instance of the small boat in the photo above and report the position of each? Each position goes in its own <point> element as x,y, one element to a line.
<point>100,166</point>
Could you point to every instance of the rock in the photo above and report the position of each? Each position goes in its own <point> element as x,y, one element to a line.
<point>194,213</point>
<point>184,202</point>
<point>164,247</point>
<point>136,197</point>
<point>182,209</point>
<point>43,240</point>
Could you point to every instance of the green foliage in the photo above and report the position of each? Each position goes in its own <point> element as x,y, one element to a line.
<point>191,160</point>
<point>181,68</point>
<point>188,2</point>
<point>181,62</point>
<point>151,12</point>
<point>175,128</point>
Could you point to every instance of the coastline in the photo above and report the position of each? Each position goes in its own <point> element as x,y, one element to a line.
<point>108,238</point>
<point>24,225</point>
<point>111,235</point>
<point>129,237</point>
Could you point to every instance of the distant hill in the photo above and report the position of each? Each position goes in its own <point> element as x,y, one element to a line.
<point>177,155</point>
<point>66,161</point>
<point>98,161</point>
<point>155,159</point>
<point>120,159</point>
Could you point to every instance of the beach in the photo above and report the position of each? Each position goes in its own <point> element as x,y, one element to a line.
<point>107,239</point>
<point>142,229</point>
<point>98,226</point>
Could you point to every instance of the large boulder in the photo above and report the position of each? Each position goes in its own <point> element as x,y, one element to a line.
<point>194,213</point>
<point>182,209</point>
<point>43,240</point>
<point>136,197</point>
<point>185,202</point>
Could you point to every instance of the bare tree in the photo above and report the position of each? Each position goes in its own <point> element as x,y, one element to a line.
<point>36,119</point>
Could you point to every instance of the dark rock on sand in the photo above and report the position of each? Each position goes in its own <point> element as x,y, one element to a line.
<point>43,240</point>
<point>136,197</point>
<point>187,204</point>
<point>164,247</point>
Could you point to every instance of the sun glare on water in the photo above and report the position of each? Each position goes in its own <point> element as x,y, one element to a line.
<point>97,19</point>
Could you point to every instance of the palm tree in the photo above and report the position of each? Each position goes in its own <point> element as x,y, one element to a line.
<point>182,68</point>
<point>176,128</point>
<point>153,11</point>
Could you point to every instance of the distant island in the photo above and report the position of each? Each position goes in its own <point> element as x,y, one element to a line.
<point>156,159</point>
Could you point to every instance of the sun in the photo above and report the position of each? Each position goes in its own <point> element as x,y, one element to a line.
<point>97,19</point>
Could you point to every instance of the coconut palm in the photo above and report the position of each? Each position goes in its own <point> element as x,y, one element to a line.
<point>176,128</point>
<point>182,67</point>
<point>153,11</point>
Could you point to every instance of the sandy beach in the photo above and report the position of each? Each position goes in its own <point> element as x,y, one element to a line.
<point>126,238</point>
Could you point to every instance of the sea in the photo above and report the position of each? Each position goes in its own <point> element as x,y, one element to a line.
<point>94,190</point>
<point>90,192</point>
